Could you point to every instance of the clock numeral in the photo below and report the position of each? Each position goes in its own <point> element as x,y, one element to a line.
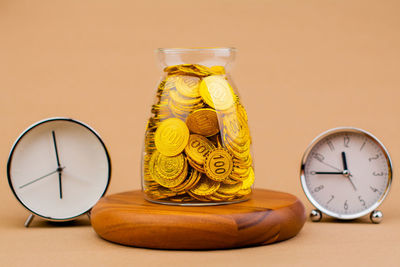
<point>374,189</point>
<point>330,144</point>
<point>361,200</point>
<point>378,174</point>
<point>346,206</point>
<point>346,141</point>
<point>332,197</point>
<point>373,158</point>
<point>318,156</point>
<point>318,188</point>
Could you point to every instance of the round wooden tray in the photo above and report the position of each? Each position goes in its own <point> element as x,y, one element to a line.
<point>128,219</point>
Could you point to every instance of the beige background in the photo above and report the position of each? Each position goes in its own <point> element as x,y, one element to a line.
<point>302,67</point>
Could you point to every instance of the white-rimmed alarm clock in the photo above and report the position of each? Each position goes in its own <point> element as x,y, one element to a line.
<point>346,173</point>
<point>58,169</point>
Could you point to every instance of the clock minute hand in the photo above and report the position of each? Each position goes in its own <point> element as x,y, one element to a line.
<point>341,173</point>
<point>59,169</point>
<point>55,147</point>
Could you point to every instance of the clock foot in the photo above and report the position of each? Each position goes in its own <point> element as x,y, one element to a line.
<point>315,215</point>
<point>376,216</point>
<point>29,220</point>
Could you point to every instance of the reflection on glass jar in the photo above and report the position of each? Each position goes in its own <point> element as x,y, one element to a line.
<point>197,147</point>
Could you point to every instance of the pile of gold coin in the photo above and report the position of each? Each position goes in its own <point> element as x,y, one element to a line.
<point>197,142</point>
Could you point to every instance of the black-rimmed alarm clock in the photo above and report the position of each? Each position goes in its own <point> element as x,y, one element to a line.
<point>58,169</point>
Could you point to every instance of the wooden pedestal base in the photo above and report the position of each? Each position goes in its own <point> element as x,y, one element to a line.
<point>128,219</point>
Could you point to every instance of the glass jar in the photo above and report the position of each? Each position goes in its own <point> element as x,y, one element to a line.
<point>197,148</point>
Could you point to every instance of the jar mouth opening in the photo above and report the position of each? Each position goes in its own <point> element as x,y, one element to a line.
<point>197,50</point>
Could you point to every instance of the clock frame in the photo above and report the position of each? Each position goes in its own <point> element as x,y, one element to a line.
<point>316,214</point>
<point>33,213</point>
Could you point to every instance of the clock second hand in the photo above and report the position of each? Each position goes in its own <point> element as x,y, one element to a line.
<point>333,167</point>
<point>351,181</point>
<point>41,177</point>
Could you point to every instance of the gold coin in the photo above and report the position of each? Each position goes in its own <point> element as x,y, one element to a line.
<point>183,199</point>
<point>218,164</point>
<point>236,128</point>
<point>159,192</point>
<point>235,147</point>
<point>183,101</point>
<point>170,82</point>
<point>197,167</point>
<point>175,67</point>
<point>218,69</point>
<point>214,198</point>
<point>168,167</point>
<point>229,189</point>
<point>192,178</point>
<point>203,70</point>
<point>168,182</point>
<point>216,92</point>
<point>152,124</point>
<point>242,111</point>
<point>200,198</point>
<point>248,182</point>
<point>222,197</point>
<point>216,140</point>
<point>198,148</point>
<point>240,174</point>
<point>171,137</point>
<point>167,192</point>
<point>240,156</point>
<point>195,69</point>
<point>205,186</point>
<point>203,121</point>
<point>243,192</point>
<point>188,86</point>
<point>184,70</point>
<point>149,137</point>
<point>195,178</point>
<point>229,180</point>
<point>245,163</point>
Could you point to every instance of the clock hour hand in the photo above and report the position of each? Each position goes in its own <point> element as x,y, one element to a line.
<point>344,161</point>
<point>41,177</point>
<point>59,169</point>
<point>346,172</point>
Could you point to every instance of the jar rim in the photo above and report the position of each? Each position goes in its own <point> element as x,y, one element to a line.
<point>196,49</point>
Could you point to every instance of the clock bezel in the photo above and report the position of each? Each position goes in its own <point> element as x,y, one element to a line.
<point>327,134</point>
<point>25,132</point>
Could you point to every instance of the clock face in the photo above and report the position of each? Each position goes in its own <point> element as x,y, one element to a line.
<point>346,173</point>
<point>59,168</point>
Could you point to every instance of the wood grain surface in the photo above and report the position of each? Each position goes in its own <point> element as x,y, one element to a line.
<point>128,219</point>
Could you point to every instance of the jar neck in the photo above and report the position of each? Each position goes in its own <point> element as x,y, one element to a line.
<point>203,56</point>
